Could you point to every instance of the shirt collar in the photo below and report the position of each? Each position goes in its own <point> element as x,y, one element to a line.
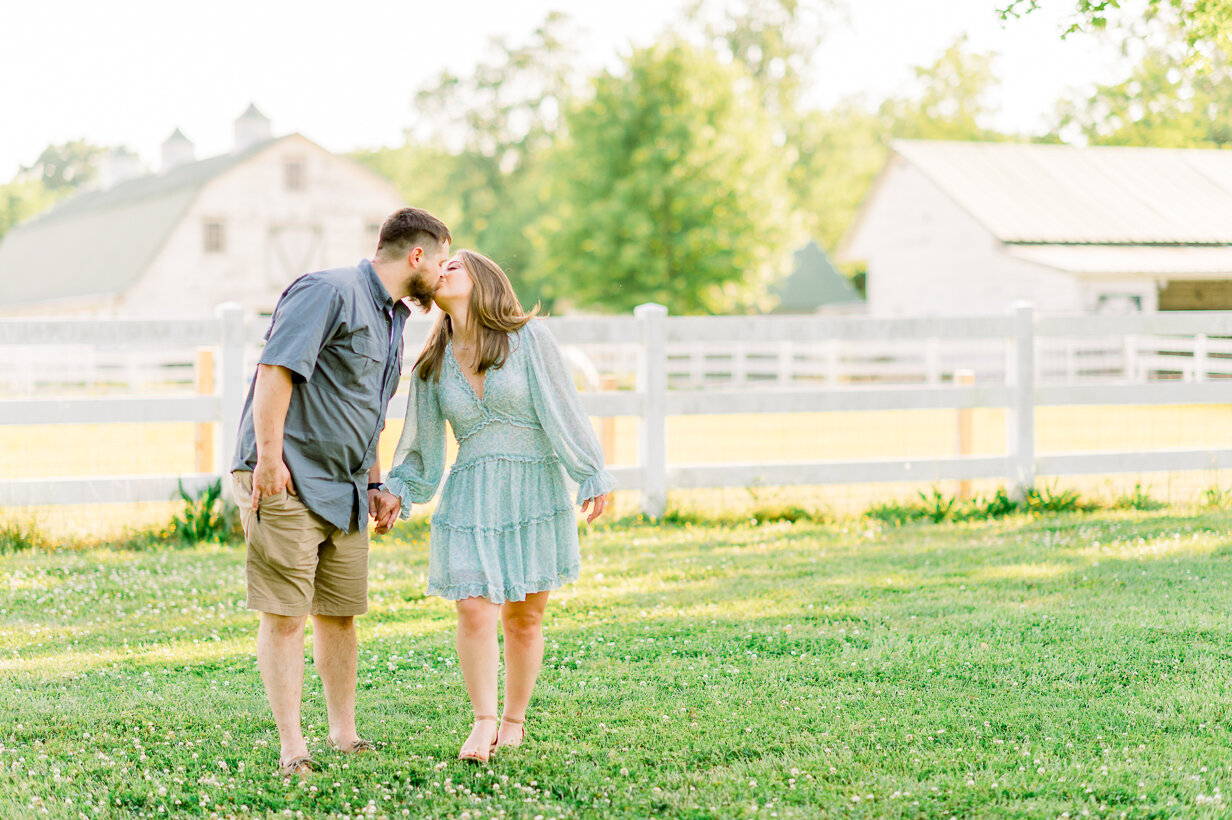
<point>379,294</point>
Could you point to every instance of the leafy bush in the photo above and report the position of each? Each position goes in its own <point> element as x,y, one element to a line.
<point>937,506</point>
<point>1139,499</point>
<point>999,506</point>
<point>894,513</point>
<point>22,536</point>
<point>786,512</point>
<point>206,517</point>
<point>1051,500</point>
<point>1216,499</point>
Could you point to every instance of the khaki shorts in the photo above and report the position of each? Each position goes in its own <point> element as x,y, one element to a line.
<point>299,563</point>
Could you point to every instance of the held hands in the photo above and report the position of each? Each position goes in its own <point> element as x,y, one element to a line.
<point>383,507</point>
<point>599,502</point>
<point>269,477</point>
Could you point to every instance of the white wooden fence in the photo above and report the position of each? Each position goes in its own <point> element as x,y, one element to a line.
<point>1017,337</point>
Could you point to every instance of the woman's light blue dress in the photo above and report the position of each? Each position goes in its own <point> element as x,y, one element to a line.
<point>505,526</point>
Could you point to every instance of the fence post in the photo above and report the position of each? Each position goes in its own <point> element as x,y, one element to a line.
<point>230,382</point>
<point>1200,358</point>
<point>205,445</point>
<point>964,378</point>
<point>1020,417</point>
<point>652,385</point>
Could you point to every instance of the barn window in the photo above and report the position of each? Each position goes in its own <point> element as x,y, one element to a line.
<point>294,175</point>
<point>215,236</point>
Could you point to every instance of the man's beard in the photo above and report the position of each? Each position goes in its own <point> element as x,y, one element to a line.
<point>420,291</point>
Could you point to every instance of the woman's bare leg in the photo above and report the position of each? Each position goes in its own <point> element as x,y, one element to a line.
<point>480,657</point>
<point>523,623</point>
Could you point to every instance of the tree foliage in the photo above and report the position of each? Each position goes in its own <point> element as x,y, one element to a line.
<point>59,171</point>
<point>671,188</point>
<point>501,122</point>
<point>1201,21</point>
<point>951,102</point>
<point>1166,102</point>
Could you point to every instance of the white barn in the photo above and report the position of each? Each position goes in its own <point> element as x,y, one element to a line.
<point>969,228</point>
<point>232,228</point>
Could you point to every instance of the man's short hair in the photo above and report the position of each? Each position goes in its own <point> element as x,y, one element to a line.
<point>410,228</point>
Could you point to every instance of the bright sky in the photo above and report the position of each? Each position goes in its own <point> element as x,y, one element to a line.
<point>129,73</point>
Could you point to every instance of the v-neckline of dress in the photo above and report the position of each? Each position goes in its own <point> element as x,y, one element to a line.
<point>478,396</point>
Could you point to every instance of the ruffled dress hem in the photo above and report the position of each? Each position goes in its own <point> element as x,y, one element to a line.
<point>515,592</point>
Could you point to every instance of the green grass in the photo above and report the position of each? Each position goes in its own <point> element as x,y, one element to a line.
<point>1017,668</point>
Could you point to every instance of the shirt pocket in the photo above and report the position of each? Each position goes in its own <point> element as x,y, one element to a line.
<point>365,353</point>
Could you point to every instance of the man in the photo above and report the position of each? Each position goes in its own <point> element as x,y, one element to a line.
<point>306,474</point>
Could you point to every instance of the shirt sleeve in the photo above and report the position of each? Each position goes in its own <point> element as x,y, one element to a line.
<point>419,459</point>
<point>560,412</point>
<point>305,319</point>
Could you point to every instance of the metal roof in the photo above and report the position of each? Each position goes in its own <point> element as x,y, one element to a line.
<point>1064,194</point>
<point>813,284</point>
<point>1202,261</point>
<point>101,242</point>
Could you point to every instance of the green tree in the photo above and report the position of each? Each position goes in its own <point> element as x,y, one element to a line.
<point>67,166</point>
<point>1201,21</point>
<point>59,171</point>
<point>775,40</point>
<point>1166,101</point>
<point>497,128</point>
<point>833,156</point>
<point>670,188</point>
<point>23,198</point>
<point>952,100</point>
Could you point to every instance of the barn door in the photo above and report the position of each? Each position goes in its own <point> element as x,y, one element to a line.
<point>293,249</point>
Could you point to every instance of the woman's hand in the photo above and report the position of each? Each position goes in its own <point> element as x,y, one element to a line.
<point>599,502</point>
<point>384,507</point>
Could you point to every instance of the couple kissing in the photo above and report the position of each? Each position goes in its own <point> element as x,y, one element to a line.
<point>307,476</point>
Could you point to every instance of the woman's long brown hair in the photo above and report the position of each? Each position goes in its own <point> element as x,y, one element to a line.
<point>495,310</point>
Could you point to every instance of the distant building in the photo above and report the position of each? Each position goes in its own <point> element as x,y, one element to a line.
<point>966,228</point>
<point>814,286</point>
<point>237,227</point>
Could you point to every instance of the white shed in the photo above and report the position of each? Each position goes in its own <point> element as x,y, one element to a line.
<point>969,228</point>
<point>232,228</point>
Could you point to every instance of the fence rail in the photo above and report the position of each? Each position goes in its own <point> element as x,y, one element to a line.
<point>655,339</point>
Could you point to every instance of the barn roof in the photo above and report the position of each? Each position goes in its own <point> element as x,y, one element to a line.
<point>813,284</point>
<point>102,241</point>
<point>1064,194</point>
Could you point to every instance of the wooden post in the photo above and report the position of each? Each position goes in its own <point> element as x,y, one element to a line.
<point>205,430</point>
<point>964,378</point>
<point>652,385</point>
<point>232,385</point>
<point>1020,417</point>
<point>607,426</point>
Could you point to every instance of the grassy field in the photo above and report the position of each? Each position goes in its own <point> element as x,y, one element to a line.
<point>1021,668</point>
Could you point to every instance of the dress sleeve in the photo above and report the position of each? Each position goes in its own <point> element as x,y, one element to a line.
<point>419,459</point>
<point>562,415</point>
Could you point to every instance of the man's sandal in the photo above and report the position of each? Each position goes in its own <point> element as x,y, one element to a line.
<point>476,756</point>
<point>353,748</point>
<point>297,767</point>
<point>516,722</point>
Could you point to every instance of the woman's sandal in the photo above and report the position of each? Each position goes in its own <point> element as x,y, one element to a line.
<point>354,748</point>
<point>477,756</point>
<point>516,722</point>
<point>298,767</point>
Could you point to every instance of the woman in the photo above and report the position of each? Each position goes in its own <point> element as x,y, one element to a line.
<point>504,533</point>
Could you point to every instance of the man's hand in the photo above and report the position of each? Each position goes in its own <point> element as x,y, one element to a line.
<point>384,507</point>
<point>269,477</point>
<point>600,501</point>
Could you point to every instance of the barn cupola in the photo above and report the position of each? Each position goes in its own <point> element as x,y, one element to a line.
<point>251,128</point>
<point>177,150</point>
